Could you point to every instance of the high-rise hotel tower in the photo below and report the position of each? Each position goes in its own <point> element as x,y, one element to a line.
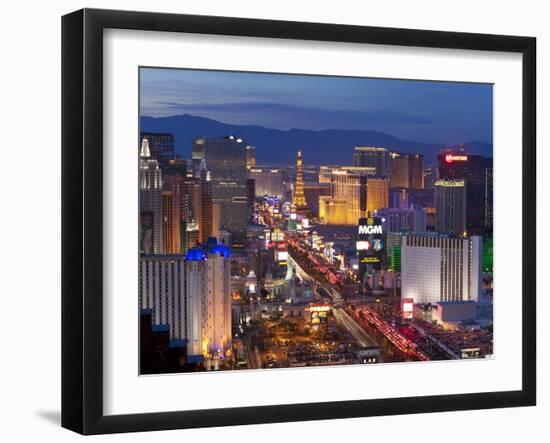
<point>208,283</point>
<point>226,161</point>
<point>191,295</point>
<point>450,206</point>
<point>355,192</point>
<point>373,156</point>
<point>150,202</point>
<point>437,268</point>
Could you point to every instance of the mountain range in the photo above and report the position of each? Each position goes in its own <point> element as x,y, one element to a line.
<point>276,146</point>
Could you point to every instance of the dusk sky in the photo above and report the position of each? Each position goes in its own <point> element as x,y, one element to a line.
<point>412,110</point>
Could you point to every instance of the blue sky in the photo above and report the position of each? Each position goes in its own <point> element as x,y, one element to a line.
<point>412,110</point>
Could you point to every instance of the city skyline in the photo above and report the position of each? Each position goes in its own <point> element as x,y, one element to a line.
<point>378,257</point>
<point>424,111</point>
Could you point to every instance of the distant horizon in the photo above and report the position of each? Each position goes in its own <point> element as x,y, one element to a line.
<point>442,142</point>
<point>420,110</point>
<point>284,143</point>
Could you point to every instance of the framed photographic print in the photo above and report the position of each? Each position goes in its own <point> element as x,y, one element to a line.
<point>269,221</point>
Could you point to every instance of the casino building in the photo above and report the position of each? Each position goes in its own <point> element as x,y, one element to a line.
<point>370,245</point>
<point>477,173</point>
<point>440,268</point>
<point>355,191</point>
<point>190,296</point>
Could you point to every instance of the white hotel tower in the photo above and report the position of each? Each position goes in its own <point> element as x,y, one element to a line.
<point>162,289</point>
<point>192,294</point>
<point>438,268</point>
<point>209,290</point>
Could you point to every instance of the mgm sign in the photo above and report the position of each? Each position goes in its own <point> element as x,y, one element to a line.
<point>370,244</point>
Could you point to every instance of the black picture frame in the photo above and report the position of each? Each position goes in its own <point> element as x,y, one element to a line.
<point>82,215</point>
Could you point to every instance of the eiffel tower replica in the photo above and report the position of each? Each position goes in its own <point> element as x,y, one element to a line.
<point>299,200</point>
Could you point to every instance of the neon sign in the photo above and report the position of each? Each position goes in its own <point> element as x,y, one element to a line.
<point>449,158</point>
<point>376,229</point>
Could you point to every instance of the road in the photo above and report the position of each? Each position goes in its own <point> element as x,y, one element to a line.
<point>340,314</point>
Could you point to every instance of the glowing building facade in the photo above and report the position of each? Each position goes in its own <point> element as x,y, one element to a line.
<point>250,157</point>
<point>416,171</point>
<point>209,289</point>
<point>267,181</point>
<point>299,198</point>
<point>377,193</point>
<point>150,202</point>
<point>354,192</point>
<point>171,221</point>
<point>406,170</point>
<point>205,213</point>
<point>191,295</point>
<point>440,268</point>
<point>399,170</point>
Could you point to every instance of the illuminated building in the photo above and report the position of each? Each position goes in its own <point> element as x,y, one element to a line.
<point>251,282</point>
<point>299,199</point>
<point>216,220</point>
<point>250,157</point>
<point>372,156</point>
<point>370,245</point>
<point>406,171</point>
<point>354,192</point>
<point>208,285</point>
<point>395,258</point>
<point>326,173</point>
<point>192,235</point>
<point>477,171</point>
<point>162,290</point>
<point>205,213</point>
<point>393,240</point>
<point>397,220</point>
<point>196,206</point>
<point>267,181</point>
<point>190,192</point>
<point>313,191</point>
<point>150,202</point>
<point>226,160</point>
<point>335,212</point>
<point>438,268</point>
<point>487,259</point>
<point>416,171</point>
<point>377,193</point>
<point>161,146</point>
<point>171,221</point>
<point>399,170</point>
<point>450,206</point>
